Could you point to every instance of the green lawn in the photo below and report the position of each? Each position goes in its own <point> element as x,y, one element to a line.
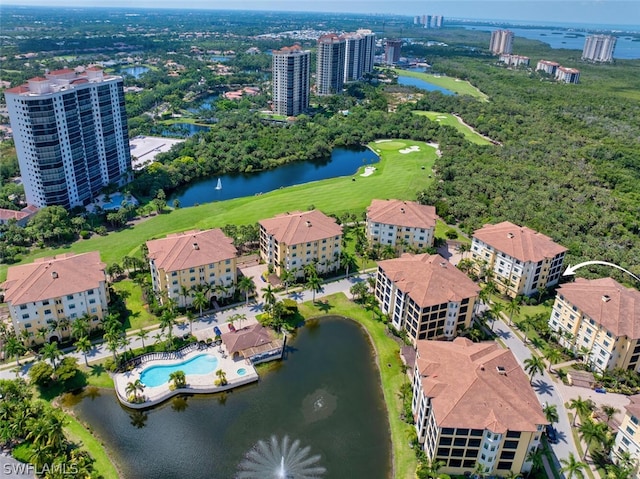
<point>397,175</point>
<point>389,363</point>
<point>450,120</point>
<point>442,228</point>
<point>461,87</point>
<point>79,435</point>
<point>138,316</point>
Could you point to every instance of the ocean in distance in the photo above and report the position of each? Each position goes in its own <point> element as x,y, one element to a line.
<point>566,35</point>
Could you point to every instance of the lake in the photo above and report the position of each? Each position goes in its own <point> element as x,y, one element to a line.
<point>422,84</point>
<point>135,72</point>
<point>343,162</point>
<point>570,38</point>
<point>181,130</point>
<point>204,103</point>
<point>326,394</point>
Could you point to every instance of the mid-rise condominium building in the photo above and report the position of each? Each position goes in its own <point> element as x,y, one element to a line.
<point>599,48</point>
<point>392,51</point>
<point>501,42</point>
<point>514,60</point>
<point>522,260</point>
<point>330,64</point>
<point>182,262</point>
<point>359,54</point>
<point>71,137</point>
<point>401,224</point>
<point>628,436</point>
<point>568,75</point>
<point>600,319</point>
<point>547,67</point>
<point>46,296</point>
<point>425,295</point>
<point>291,80</point>
<point>474,408</point>
<point>293,240</point>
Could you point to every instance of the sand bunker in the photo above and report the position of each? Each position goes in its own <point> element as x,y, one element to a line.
<point>410,149</point>
<point>382,141</point>
<point>368,170</point>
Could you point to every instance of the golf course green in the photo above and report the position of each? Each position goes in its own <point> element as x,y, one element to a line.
<point>397,175</point>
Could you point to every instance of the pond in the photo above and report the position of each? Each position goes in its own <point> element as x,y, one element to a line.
<point>204,103</point>
<point>326,394</point>
<point>135,72</point>
<point>343,162</point>
<point>422,84</point>
<point>178,130</point>
<point>220,58</point>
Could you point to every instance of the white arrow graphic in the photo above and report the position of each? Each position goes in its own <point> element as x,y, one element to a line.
<point>572,269</point>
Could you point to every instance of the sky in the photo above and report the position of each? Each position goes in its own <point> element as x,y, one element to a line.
<point>593,12</point>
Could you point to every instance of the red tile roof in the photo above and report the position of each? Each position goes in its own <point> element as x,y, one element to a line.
<point>48,278</point>
<point>191,249</point>
<point>633,407</point>
<point>6,215</point>
<point>467,389</point>
<point>429,279</point>
<point>402,213</point>
<point>301,227</point>
<point>607,302</point>
<point>519,242</point>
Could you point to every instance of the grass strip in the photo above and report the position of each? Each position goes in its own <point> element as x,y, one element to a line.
<point>391,375</point>
<point>461,87</point>
<point>77,433</point>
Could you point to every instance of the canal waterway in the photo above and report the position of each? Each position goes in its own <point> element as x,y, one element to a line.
<point>343,162</point>
<point>326,394</point>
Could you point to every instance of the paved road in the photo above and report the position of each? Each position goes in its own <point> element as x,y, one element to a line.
<point>546,389</point>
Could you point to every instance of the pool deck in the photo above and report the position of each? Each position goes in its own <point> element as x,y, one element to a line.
<point>196,383</point>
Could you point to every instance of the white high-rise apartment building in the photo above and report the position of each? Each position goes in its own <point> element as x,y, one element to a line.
<point>71,137</point>
<point>501,41</point>
<point>330,64</point>
<point>599,48</point>
<point>291,80</point>
<point>359,54</point>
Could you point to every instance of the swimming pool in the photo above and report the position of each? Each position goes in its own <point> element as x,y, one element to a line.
<point>159,375</point>
<point>241,371</point>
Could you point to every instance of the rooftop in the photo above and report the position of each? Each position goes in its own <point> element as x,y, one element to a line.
<point>249,338</point>
<point>402,213</point>
<point>519,242</point>
<point>48,278</point>
<point>301,227</point>
<point>429,279</point>
<point>477,386</point>
<point>191,249</point>
<point>633,407</point>
<point>608,303</point>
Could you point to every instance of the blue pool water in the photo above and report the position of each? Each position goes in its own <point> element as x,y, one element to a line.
<point>116,201</point>
<point>241,371</point>
<point>158,375</point>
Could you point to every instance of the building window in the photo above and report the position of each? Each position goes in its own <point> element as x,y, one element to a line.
<point>90,291</point>
<point>70,296</point>
<point>23,306</point>
<point>25,316</point>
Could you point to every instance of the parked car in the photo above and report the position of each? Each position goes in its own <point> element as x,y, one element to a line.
<point>552,434</point>
<point>600,390</point>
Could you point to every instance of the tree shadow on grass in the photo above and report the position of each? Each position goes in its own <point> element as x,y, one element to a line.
<point>324,306</point>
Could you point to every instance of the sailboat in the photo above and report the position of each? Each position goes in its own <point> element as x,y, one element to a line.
<point>219,185</point>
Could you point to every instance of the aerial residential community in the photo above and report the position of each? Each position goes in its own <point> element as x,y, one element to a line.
<point>252,244</point>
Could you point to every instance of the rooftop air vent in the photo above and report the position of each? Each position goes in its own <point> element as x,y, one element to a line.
<point>54,275</point>
<point>402,210</point>
<point>195,246</point>
<point>443,264</point>
<point>501,370</point>
<point>510,235</point>
<point>606,298</point>
<point>308,223</point>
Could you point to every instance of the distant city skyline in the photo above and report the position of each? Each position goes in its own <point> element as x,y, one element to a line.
<point>591,12</point>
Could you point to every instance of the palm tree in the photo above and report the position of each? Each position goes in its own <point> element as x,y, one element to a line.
<point>167,321</point>
<point>551,413</point>
<point>83,345</point>
<point>184,294</point>
<point>512,309</point>
<point>80,327</point>
<point>310,269</point>
<point>314,284</point>
<point>591,432</point>
<point>247,286</point>
<point>179,379</point>
<point>50,351</point>
<point>495,311</point>
<point>462,248</point>
<point>347,260</point>
<point>237,317</point>
<point>429,467</point>
<point>132,388</point>
<point>582,407</point>
<point>609,411</point>
<point>269,297</point>
<point>572,467</point>
<point>533,366</point>
<point>552,355</point>
<point>14,348</point>
<point>142,335</point>
<point>112,337</point>
<point>287,277</point>
<point>222,377</point>
<point>534,456</point>
<point>64,326</point>
<point>200,301</point>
